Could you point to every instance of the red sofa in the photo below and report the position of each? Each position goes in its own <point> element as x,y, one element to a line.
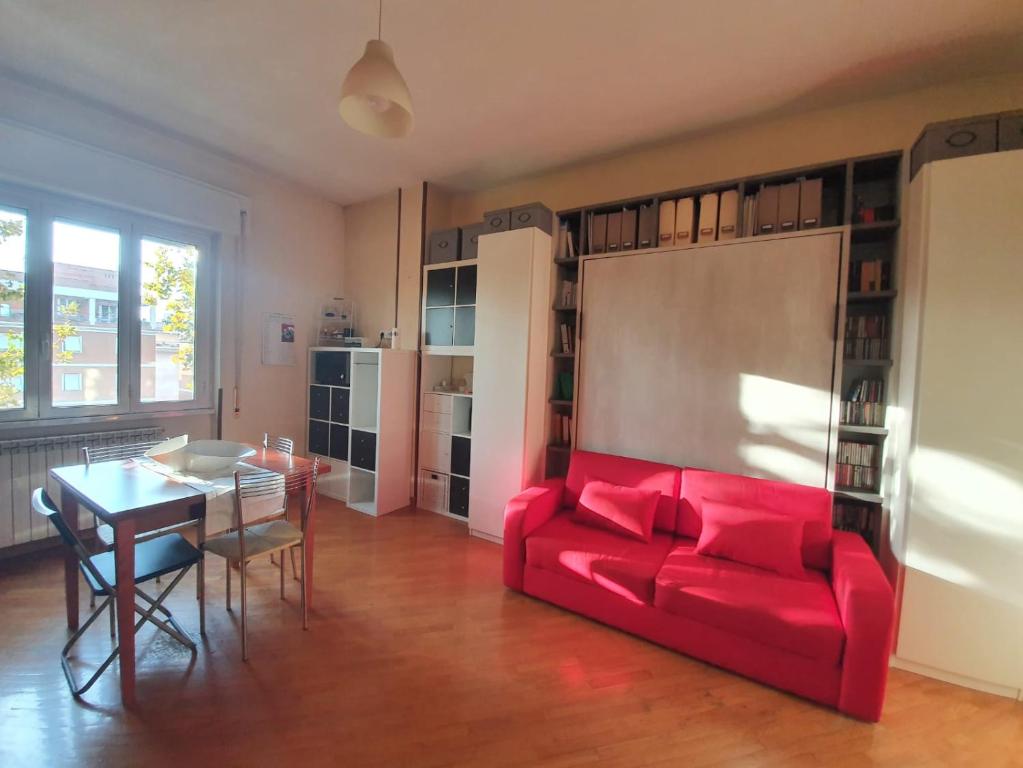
<point>826,637</point>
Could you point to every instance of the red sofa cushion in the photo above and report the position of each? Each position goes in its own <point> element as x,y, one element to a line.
<point>796,615</point>
<point>625,567</point>
<point>618,509</point>
<point>811,505</point>
<point>754,537</point>
<point>634,473</point>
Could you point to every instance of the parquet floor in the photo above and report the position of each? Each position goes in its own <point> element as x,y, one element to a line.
<point>417,656</point>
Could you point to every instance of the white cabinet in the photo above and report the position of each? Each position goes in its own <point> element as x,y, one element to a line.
<point>513,298</point>
<point>958,517</point>
<point>360,412</point>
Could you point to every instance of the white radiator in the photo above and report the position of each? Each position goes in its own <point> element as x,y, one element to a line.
<point>25,465</point>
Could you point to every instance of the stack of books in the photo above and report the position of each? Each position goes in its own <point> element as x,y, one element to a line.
<point>562,427</point>
<point>857,465</point>
<point>857,518</point>
<point>865,404</point>
<point>566,294</point>
<point>567,338</point>
<point>870,276</point>
<point>566,242</point>
<point>866,337</point>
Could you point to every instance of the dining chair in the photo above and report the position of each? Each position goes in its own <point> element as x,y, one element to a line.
<point>270,533</point>
<point>156,557</point>
<point>284,445</point>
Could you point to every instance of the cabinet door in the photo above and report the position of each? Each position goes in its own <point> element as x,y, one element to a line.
<point>465,285</point>
<point>364,450</point>
<point>458,496</point>
<point>332,368</point>
<point>339,400</point>
<point>319,403</point>
<point>460,453</point>
<point>339,442</point>
<point>319,438</point>
<point>440,327</point>
<point>440,287</point>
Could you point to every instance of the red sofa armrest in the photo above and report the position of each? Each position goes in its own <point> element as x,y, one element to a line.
<point>866,606</point>
<point>523,515</point>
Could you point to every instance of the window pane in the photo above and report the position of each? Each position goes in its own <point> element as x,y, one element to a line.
<point>12,308</point>
<point>168,320</point>
<point>86,262</point>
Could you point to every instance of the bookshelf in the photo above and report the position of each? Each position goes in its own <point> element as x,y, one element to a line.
<point>861,193</point>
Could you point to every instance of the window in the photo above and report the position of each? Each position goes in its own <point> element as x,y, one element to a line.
<point>67,270</point>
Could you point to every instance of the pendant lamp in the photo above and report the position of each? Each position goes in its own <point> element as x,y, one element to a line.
<point>374,97</point>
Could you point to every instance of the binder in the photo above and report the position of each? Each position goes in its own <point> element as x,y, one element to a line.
<point>767,210</point>
<point>685,224</point>
<point>788,207</point>
<point>614,231</point>
<point>728,215</point>
<point>810,193</point>
<point>598,232</point>
<point>629,229</point>
<point>647,234</point>
<point>666,223</point>
<point>708,217</point>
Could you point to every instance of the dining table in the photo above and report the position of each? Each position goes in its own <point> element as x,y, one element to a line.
<point>133,499</point>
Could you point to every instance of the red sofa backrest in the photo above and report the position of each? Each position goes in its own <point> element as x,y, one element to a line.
<point>812,505</point>
<point>635,473</point>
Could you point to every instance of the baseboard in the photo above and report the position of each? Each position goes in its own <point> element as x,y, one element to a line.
<point>960,680</point>
<point>486,537</point>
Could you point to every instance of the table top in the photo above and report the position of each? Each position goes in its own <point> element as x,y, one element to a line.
<point>125,489</point>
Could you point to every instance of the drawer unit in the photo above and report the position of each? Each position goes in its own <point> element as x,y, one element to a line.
<point>958,138</point>
<point>497,221</point>
<point>532,215</point>
<point>433,491</point>
<point>319,403</point>
<point>471,240</point>
<point>458,496</point>
<point>319,438</point>
<point>339,442</point>
<point>339,401</point>
<point>460,451</point>
<point>435,451</point>
<point>443,246</point>
<point>435,422</point>
<point>364,450</point>
<point>436,403</point>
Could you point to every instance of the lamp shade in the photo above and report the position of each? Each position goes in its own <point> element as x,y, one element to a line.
<point>374,97</point>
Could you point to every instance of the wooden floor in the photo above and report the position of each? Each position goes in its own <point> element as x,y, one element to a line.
<point>417,656</point>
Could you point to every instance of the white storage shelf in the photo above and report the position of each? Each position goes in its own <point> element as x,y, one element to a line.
<point>444,417</point>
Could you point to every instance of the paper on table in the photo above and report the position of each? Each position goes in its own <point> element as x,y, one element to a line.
<point>220,495</point>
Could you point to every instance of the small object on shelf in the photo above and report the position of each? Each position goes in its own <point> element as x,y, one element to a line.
<point>337,319</point>
<point>810,195</point>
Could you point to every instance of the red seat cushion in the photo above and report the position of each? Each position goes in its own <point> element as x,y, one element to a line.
<point>796,615</point>
<point>625,567</point>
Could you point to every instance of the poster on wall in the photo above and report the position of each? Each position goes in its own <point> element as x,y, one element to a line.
<point>278,339</point>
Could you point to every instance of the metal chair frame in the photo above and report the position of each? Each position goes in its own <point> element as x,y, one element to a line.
<point>42,504</point>
<point>284,445</point>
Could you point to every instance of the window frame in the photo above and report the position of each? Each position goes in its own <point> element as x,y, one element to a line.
<point>42,209</point>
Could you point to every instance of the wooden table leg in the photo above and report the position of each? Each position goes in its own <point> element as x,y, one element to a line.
<point>307,549</point>
<point>124,566</point>
<point>69,511</point>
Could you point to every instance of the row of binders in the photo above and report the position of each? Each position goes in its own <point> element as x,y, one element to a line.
<point>624,230</point>
<point>866,337</point>
<point>566,243</point>
<point>857,465</point>
<point>567,338</point>
<point>783,207</point>
<point>699,220</point>
<point>857,518</point>
<point>865,404</point>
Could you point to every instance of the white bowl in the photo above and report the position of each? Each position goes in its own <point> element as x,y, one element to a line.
<point>208,456</point>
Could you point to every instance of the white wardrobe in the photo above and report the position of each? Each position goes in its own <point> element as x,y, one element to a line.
<point>510,371</point>
<point>958,514</point>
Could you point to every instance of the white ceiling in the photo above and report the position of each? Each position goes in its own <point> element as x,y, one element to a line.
<point>502,88</point>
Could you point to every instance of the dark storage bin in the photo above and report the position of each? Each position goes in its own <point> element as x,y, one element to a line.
<point>465,285</point>
<point>956,138</point>
<point>319,403</point>
<point>1010,132</point>
<point>364,450</point>
<point>319,438</point>
<point>471,240</point>
<point>332,368</point>
<point>443,246</point>
<point>458,496</point>
<point>339,442</point>
<point>440,327</point>
<point>440,287</point>
<point>460,451</point>
<point>339,399</point>
<point>496,221</point>
<point>465,327</point>
<point>532,215</point>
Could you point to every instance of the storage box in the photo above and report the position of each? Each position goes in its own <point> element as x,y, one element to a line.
<point>433,491</point>
<point>1010,131</point>
<point>434,450</point>
<point>443,246</point>
<point>532,215</point>
<point>471,240</point>
<point>955,138</point>
<point>497,221</point>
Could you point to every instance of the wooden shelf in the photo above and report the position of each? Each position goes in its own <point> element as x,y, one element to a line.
<point>555,401</point>
<point>863,296</point>
<point>563,308</point>
<point>567,262</point>
<point>855,494</point>
<point>559,448</point>
<point>860,429</point>
<point>872,231</point>
<point>867,363</point>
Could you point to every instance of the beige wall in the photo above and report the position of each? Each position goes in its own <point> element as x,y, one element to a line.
<point>294,249</point>
<point>371,258</point>
<point>759,146</point>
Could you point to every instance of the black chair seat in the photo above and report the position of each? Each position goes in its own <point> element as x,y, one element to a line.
<point>153,558</point>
